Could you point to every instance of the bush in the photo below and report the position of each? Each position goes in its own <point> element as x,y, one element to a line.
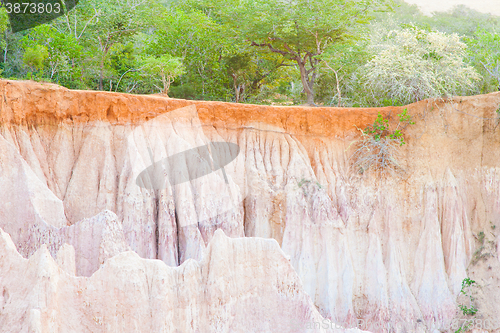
<point>467,284</point>
<point>412,64</point>
<point>377,148</point>
<point>35,56</point>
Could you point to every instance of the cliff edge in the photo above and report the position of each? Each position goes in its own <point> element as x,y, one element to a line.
<point>259,214</point>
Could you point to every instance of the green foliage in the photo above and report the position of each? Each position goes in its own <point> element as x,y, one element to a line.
<point>380,128</point>
<point>484,250</point>
<point>465,22</point>
<point>471,310</point>
<point>122,57</point>
<point>462,20</point>
<point>391,102</point>
<point>239,67</point>
<point>337,83</point>
<point>165,66</point>
<point>299,31</point>
<point>4,24</point>
<point>62,51</point>
<point>467,310</point>
<point>485,55</point>
<point>35,56</point>
<point>467,282</point>
<point>116,21</point>
<point>202,44</point>
<point>464,328</point>
<point>333,52</point>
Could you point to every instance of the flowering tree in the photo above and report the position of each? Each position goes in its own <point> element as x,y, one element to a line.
<point>412,64</point>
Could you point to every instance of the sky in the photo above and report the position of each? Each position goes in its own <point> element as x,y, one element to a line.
<point>484,6</point>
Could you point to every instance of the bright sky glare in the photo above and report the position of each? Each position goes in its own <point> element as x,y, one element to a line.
<point>484,6</point>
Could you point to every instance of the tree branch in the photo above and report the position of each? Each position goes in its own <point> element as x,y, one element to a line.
<point>491,73</point>
<point>130,70</point>
<point>86,24</point>
<point>337,80</point>
<point>270,48</point>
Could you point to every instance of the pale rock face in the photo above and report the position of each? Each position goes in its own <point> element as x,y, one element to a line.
<point>25,201</point>
<point>184,210</point>
<point>380,252</point>
<point>95,240</point>
<point>498,247</point>
<point>65,258</point>
<point>429,276</point>
<point>130,294</point>
<point>42,220</point>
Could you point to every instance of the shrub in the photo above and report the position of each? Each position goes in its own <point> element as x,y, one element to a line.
<point>377,148</point>
<point>35,56</point>
<point>472,310</point>
<point>412,64</point>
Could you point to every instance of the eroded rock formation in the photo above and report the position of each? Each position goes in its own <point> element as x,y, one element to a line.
<point>375,251</point>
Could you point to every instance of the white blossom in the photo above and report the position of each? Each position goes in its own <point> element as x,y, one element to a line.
<point>412,64</point>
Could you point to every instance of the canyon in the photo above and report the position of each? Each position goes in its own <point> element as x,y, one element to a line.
<point>135,213</point>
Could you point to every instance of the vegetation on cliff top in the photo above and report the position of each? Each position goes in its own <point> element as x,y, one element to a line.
<point>345,53</point>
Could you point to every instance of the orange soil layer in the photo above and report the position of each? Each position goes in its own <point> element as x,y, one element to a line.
<point>32,103</point>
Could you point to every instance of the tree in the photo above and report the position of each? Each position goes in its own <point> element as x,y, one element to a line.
<point>62,51</point>
<point>125,66</point>
<point>239,68</point>
<point>115,22</point>
<point>4,24</point>
<point>339,64</point>
<point>412,64</point>
<point>166,66</point>
<point>485,53</point>
<point>462,20</point>
<point>100,24</point>
<point>102,29</point>
<point>298,30</point>
<point>35,56</point>
<point>202,44</point>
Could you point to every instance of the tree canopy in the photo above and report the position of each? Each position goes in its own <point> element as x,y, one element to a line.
<point>332,52</point>
<point>165,66</point>
<point>299,30</point>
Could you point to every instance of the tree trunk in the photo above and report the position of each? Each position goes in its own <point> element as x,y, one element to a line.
<point>305,82</point>
<point>241,90</point>
<point>101,74</point>
<point>236,89</point>
<point>164,81</point>
<point>6,48</point>
<point>103,57</point>
<point>337,80</point>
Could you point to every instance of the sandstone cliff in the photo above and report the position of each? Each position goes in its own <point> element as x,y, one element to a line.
<point>380,252</point>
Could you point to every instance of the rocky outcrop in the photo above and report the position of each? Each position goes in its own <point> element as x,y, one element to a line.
<point>377,251</point>
<point>132,294</point>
